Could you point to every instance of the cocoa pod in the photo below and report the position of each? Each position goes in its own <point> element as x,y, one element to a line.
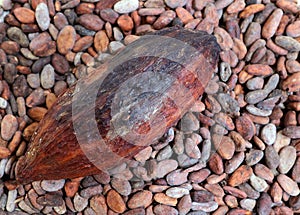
<point>123,106</point>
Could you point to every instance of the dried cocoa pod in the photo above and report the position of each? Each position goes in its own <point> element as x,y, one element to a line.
<point>123,106</point>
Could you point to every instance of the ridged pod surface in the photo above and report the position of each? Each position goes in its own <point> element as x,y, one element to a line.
<point>122,106</point>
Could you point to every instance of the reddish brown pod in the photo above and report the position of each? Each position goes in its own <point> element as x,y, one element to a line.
<point>123,106</point>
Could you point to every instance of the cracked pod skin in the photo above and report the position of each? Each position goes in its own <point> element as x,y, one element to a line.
<point>121,107</point>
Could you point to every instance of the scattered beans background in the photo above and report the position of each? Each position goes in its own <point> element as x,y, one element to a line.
<point>249,112</point>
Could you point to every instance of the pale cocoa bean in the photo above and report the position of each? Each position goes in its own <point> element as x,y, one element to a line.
<point>239,48</point>
<point>264,205</point>
<point>245,23</point>
<point>175,4</point>
<point>206,207</point>
<point>42,16</point>
<point>288,6</point>
<point>258,183</point>
<point>164,209</point>
<point>248,204</point>
<point>296,170</point>
<point>281,67</point>
<point>154,3</point>
<point>222,4</point>
<point>288,185</point>
<point>261,120</point>
<point>233,28</point>
<point>251,193</point>
<point>275,48</point>
<point>229,57</point>
<point>83,43</point>
<point>252,34</point>
<point>183,15</point>
<point>214,179</point>
<point>259,55</point>
<point>192,24</point>
<point>24,15</point>
<point>283,23</point>
<point>268,134</point>
<point>216,164</point>
<point>192,149</point>
<point>292,66</point>
<point>235,192</point>
<point>288,43</point>
<point>256,96</point>
<point>272,23</point>
<point>258,111</point>
<point>253,157</point>
<point>224,146</point>
<point>232,164</point>
<point>211,14</point>
<point>185,204</point>
<point>263,172</point>
<point>66,39</point>
<point>259,69</point>
<point>91,22</point>
<point>236,6</point>
<point>268,58</point>
<point>206,25</point>
<point>10,47</point>
<point>164,199</point>
<point>125,22</point>
<point>224,120</point>
<point>221,210</point>
<point>115,201</point>
<point>256,45</point>
<point>223,38</point>
<point>255,83</point>
<point>199,176</point>
<point>262,16</point>
<point>276,192</point>
<point>200,4</point>
<point>109,15</point>
<point>231,201</point>
<point>292,131</point>
<point>228,104</point>
<point>283,210</point>
<point>240,176</point>
<point>215,189</point>
<point>245,127</point>
<point>293,29</point>
<point>272,157</point>
<point>177,192</point>
<point>83,8</point>
<point>251,9</point>
<point>150,11</point>
<point>288,157</point>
